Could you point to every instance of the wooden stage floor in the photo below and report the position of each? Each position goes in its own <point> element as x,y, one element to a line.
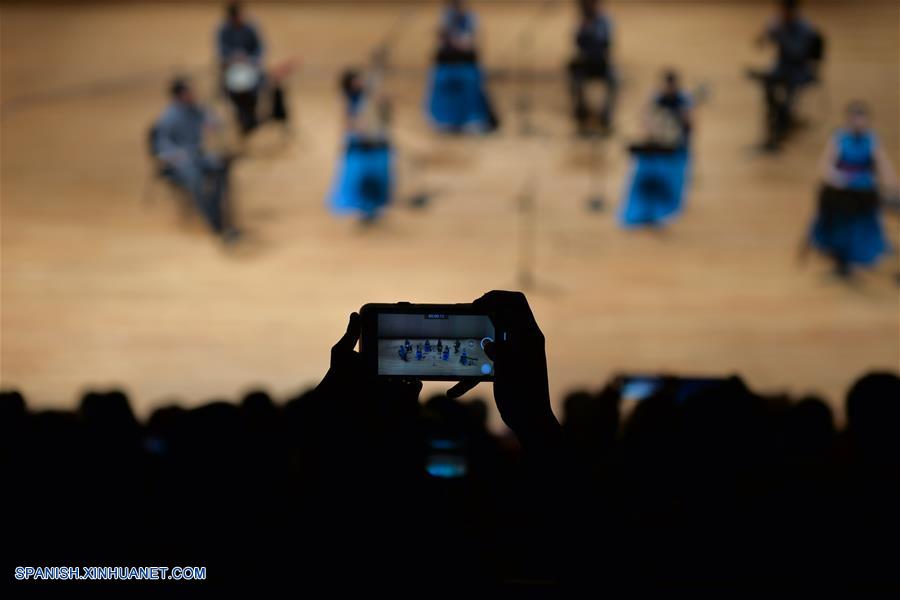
<point>105,283</point>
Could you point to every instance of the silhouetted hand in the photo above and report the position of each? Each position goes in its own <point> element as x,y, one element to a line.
<point>521,387</point>
<point>347,379</point>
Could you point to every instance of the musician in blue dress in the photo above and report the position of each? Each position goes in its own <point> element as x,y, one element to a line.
<point>457,98</point>
<point>363,181</point>
<point>660,170</point>
<point>847,227</point>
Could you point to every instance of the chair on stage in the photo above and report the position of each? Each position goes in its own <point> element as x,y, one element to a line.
<point>817,84</point>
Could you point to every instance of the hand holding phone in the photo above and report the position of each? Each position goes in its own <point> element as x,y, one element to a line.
<point>495,338</point>
<point>348,383</point>
<point>521,384</point>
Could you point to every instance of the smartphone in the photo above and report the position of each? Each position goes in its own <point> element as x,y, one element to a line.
<point>435,342</point>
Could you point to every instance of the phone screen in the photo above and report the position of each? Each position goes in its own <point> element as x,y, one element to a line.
<point>643,387</point>
<point>434,344</point>
<point>640,388</point>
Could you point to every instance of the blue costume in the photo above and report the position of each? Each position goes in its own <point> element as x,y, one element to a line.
<point>364,180</point>
<point>457,98</point>
<point>659,176</point>
<point>847,226</point>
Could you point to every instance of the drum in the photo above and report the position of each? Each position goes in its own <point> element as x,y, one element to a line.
<point>837,202</point>
<point>241,77</point>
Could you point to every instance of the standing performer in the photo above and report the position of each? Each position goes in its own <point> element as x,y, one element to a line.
<point>364,179</point>
<point>240,51</point>
<point>457,97</point>
<point>593,41</point>
<point>800,49</point>
<point>661,165</point>
<point>177,143</point>
<point>847,227</point>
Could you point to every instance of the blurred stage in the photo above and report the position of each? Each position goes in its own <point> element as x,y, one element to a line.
<point>105,283</point>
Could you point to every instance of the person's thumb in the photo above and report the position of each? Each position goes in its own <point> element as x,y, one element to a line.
<point>490,348</point>
<point>461,388</point>
<point>348,341</point>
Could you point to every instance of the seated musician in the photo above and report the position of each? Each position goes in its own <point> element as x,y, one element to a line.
<point>799,48</point>
<point>178,145</point>
<point>593,41</point>
<point>669,114</point>
<point>240,51</point>
<point>855,167</point>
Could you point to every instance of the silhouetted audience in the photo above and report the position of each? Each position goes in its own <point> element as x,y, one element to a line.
<point>358,485</point>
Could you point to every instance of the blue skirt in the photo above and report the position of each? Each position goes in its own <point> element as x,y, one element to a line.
<point>656,186</point>
<point>848,227</point>
<point>457,98</point>
<point>364,179</point>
